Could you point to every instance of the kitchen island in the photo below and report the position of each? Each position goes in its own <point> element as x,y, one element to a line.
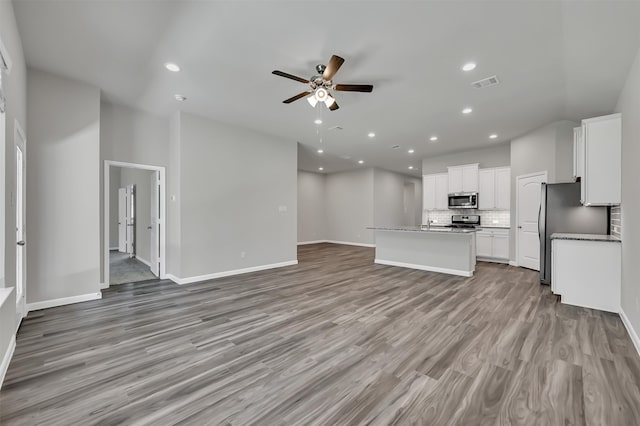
<point>445,250</point>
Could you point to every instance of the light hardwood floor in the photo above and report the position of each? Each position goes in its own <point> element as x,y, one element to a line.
<point>335,340</point>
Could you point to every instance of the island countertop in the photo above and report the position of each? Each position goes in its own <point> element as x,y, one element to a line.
<point>438,229</point>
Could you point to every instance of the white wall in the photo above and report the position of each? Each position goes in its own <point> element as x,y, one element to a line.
<point>15,92</point>
<point>63,218</point>
<point>493,156</point>
<point>550,149</point>
<point>173,195</point>
<point>233,182</point>
<point>114,185</point>
<point>629,106</point>
<point>132,136</point>
<point>389,198</point>
<point>349,204</point>
<point>311,207</point>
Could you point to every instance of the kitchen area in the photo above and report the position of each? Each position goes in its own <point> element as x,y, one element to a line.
<point>570,232</point>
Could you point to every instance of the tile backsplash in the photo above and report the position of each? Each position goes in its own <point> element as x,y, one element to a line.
<point>616,222</point>
<point>487,217</point>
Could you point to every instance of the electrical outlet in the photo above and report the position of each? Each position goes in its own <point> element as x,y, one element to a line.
<point>243,254</point>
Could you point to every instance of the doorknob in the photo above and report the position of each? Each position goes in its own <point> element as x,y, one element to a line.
<point>519,227</point>
<point>149,227</point>
<point>21,243</point>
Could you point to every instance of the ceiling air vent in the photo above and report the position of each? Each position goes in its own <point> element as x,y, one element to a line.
<point>335,128</point>
<point>486,82</point>
<point>395,147</point>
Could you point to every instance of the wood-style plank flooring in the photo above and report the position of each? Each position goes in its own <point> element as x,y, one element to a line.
<point>335,340</point>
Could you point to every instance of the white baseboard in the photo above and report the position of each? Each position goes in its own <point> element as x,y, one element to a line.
<point>348,243</point>
<point>104,285</point>
<point>635,338</point>
<point>113,248</point>
<point>425,268</point>
<point>6,359</point>
<point>513,263</point>
<point>303,243</point>
<point>63,301</point>
<point>215,275</point>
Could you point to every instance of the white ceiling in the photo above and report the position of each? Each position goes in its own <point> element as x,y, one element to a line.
<point>555,60</point>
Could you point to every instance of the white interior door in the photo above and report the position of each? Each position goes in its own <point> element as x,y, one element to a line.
<point>130,219</point>
<point>122,220</point>
<point>21,258</point>
<point>154,233</point>
<point>528,239</point>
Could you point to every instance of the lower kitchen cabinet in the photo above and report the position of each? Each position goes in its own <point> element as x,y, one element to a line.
<point>587,273</point>
<point>493,244</point>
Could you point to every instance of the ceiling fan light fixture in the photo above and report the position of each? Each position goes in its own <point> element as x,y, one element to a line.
<point>329,101</point>
<point>312,101</point>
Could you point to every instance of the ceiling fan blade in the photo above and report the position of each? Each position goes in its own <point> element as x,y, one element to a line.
<point>334,106</point>
<point>292,77</point>
<point>296,97</point>
<point>354,87</point>
<point>332,67</point>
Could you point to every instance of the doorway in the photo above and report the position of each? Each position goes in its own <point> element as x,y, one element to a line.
<point>21,249</point>
<point>134,234</point>
<point>528,190</point>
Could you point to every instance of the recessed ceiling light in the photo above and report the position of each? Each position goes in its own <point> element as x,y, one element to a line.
<point>467,110</point>
<point>371,135</point>
<point>320,151</point>
<point>180,98</point>
<point>493,136</point>
<point>433,138</point>
<point>469,66</point>
<point>410,167</point>
<point>318,121</point>
<point>321,168</point>
<point>360,161</point>
<point>172,67</point>
<point>411,151</point>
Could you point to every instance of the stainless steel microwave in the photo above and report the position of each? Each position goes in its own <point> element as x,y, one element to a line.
<point>463,200</point>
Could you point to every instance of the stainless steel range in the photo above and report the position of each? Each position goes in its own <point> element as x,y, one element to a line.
<point>465,221</point>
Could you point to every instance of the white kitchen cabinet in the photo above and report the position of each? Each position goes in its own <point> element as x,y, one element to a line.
<point>463,178</point>
<point>493,244</point>
<point>587,273</point>
<point>500,246</point>
<point>494,188</point>
<point>578,153</point>
<point>503,188</point>
<point>486,189</point>
<point>442,191</point>
<point>602,177</point>
<point>483,244</point>
<point>435,191</point>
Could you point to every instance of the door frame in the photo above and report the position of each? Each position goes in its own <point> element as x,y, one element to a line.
<point>20,142</point>
<point>161,221</point>
<point>528,175</point>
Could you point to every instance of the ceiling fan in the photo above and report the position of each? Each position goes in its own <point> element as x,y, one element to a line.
<point>322,83</point>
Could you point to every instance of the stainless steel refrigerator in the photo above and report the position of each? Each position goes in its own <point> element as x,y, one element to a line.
<point>561,211</point>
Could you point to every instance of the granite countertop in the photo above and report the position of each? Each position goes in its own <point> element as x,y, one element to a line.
<point>494,226</point>
<point>585,237</point>
<point>442,225</point>
<point>434,229</point>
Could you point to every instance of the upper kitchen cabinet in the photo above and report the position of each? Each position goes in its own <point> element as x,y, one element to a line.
<point>463,178</point>
<point>602,176</point>
<point>578,153</point>
<point>494,188</point>
<point>435,190</point>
